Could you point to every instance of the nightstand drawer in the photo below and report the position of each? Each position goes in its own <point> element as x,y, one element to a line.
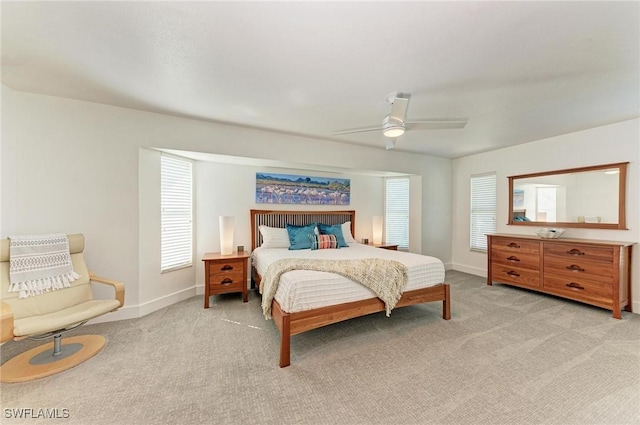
<point>226,266</point>
<point>226,279</point>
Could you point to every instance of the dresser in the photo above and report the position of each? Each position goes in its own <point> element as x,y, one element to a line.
<point>224,274</point>
<point>590,271</point>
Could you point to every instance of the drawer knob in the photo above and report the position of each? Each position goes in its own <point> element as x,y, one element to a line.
<point>227,281</point>
<point>513,245</point>
<point>226,267</point>
<point>574,285</point>
<point>513,258</point>
<point>512,273</point>
<point>575,268</point>
<point>575,251</point>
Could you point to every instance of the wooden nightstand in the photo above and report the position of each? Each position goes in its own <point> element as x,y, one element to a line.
<point>224,274</point>
<point>393,247</point>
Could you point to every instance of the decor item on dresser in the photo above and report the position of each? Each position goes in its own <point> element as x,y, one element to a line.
<point>589,197</point>
<point>550,232</point>
<point>274,188</point>
<point>305,298</point>
<point>225,274</point>
<point>590,271</point>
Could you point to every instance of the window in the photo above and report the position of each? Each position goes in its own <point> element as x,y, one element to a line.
<point>483,210</point>
<point>397,212</point>
<point>176,214</point>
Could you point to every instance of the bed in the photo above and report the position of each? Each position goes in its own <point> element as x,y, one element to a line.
<point>296,309</point>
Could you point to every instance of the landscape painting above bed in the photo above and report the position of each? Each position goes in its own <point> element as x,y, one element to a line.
<point>293,189</point>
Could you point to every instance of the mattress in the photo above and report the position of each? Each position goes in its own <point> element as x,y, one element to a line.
<point>302,290</point>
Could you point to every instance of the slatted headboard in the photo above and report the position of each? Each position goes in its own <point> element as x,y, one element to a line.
<point>273,218</point>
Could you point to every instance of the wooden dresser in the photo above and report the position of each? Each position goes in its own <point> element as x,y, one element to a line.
<point>590,271</point>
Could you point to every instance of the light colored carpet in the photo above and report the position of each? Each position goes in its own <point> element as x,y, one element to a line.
<point>507,356</point>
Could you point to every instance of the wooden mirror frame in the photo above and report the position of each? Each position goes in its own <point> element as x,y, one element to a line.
<point>622,190</point>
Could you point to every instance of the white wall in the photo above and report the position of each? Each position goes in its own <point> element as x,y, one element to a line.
<point>603,145</point>
<point>236,196</point>
<point>73,166</point>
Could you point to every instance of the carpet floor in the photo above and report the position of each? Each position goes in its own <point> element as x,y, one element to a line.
<point>507,356</point>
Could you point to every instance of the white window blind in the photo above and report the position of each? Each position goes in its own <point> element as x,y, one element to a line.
<point>483,210</point>
<point>397,212</point>
<point>176,217</point>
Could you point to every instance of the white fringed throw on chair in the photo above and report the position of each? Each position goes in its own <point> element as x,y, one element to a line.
<point>39,264</point>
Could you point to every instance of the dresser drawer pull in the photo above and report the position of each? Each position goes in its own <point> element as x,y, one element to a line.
<point>226,267</point>
<point>227,281</point>
<point>575,268</point>
<point>512,273</point>
<point>574,285</point>
<point>513,245</point>
<point>575,252</point>
<point>513,258</point>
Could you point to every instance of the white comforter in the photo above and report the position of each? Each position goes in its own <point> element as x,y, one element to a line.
<point>304,289</point>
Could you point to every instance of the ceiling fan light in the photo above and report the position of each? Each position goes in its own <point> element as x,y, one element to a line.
<point>393,131</point>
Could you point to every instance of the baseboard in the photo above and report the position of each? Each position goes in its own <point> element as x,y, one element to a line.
<point>471,270</point>
<point>134,312</point>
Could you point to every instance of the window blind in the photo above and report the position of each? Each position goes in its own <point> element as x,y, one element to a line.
<point>397,212</point>
<point>483,210</point>
<point>176,213</point>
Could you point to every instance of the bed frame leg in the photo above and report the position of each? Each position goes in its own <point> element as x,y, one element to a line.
<point>446,303</point>
<point>285,342</point>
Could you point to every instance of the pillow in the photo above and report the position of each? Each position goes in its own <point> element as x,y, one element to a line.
<point>323,242</point>
<point>346,232</point>
<point>298,238</point>
<point>335,229</point>
<point>274,237</point>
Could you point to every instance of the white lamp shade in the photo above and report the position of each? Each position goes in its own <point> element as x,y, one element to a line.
<point>226,235</point>
<point>377,229</point>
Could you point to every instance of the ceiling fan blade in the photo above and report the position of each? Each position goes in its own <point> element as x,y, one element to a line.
<point>399,108</point>
<point>356,130</point>
<point>436,124</point>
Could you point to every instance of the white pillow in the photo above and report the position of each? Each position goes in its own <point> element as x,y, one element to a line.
<point>274,237</point>
<point>346,232</point>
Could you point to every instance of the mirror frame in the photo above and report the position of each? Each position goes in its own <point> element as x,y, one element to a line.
<point>622,190</point>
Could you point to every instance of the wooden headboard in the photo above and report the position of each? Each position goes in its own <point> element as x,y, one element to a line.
<point>274,218</point>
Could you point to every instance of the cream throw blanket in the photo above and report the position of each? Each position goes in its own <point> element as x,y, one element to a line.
<point>39,264</point>
<point>386,278</point>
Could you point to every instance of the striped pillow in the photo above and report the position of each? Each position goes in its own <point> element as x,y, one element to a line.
<point>323,241</point>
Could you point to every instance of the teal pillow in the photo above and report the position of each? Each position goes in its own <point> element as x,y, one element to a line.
<point>335,229</point>
<point>299,235</point>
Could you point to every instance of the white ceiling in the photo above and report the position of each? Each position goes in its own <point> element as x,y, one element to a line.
<point>519,71</point>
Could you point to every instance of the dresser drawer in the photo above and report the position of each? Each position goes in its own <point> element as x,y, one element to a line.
<point>582,252</point>
<point>579,268</point>
<point>515,259</point>
<point>513,246</point>
<point>598,293</point>
<point>516,276</point>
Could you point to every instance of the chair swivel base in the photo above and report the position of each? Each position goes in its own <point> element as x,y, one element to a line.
<point>38,363</point>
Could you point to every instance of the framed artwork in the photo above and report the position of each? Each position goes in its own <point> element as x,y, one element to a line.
<point>274,188</point>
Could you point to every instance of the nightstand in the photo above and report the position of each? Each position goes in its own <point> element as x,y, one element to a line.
<point>393,247</point>
<point>224,274</point>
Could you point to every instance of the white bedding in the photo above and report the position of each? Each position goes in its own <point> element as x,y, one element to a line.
<point>305,289</point>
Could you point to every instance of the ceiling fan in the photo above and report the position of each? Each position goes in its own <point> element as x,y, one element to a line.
<point>395,124</point>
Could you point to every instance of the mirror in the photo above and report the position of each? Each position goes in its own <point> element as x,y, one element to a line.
<point>590,197</point>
